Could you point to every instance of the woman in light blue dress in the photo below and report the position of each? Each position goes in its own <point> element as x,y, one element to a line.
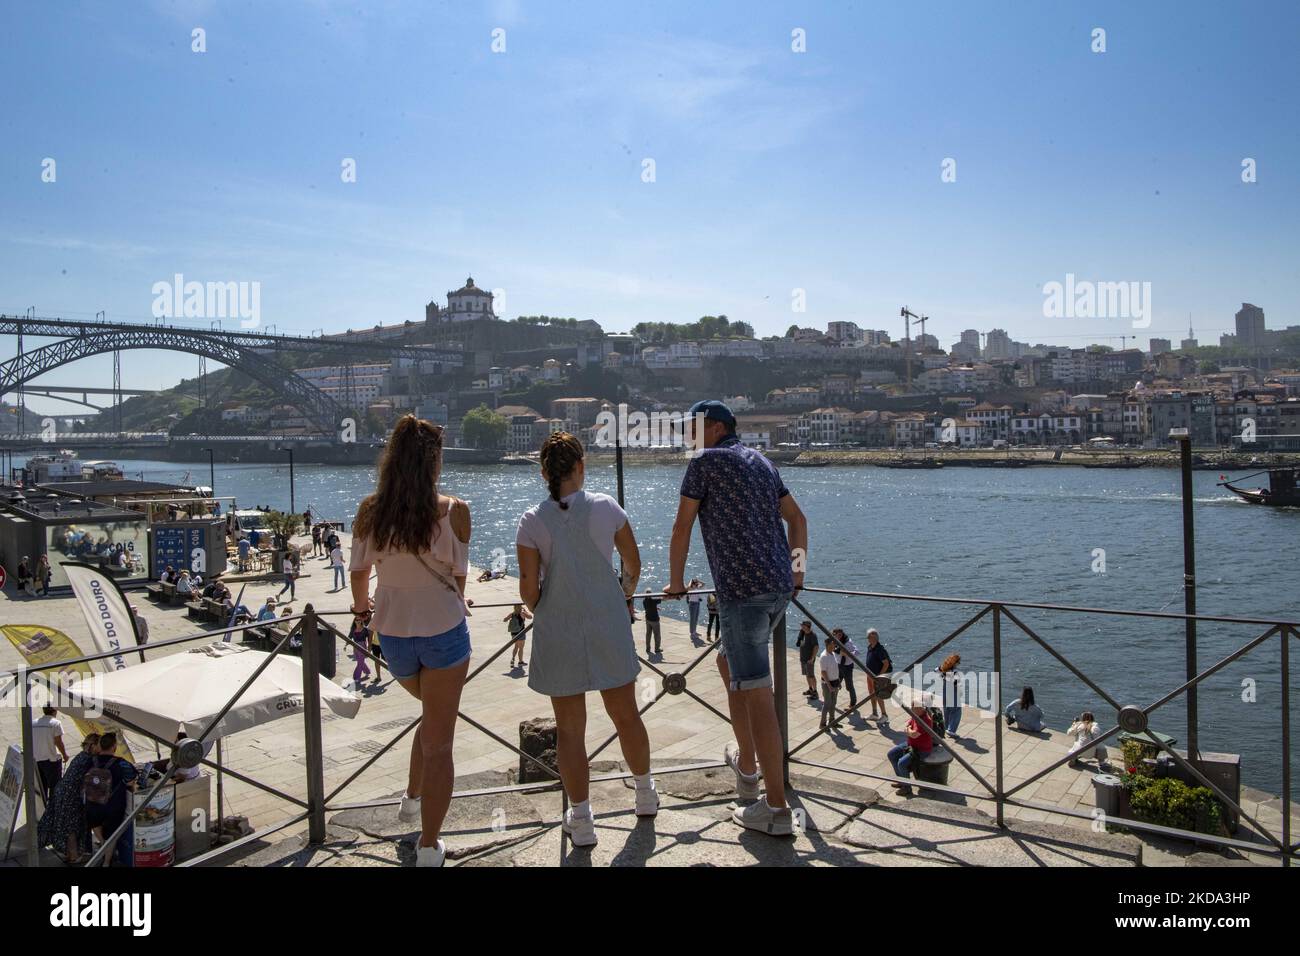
<point>582,630</point>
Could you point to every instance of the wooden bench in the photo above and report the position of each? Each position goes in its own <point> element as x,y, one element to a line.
<point>155,592</point>
<point>196,610</point>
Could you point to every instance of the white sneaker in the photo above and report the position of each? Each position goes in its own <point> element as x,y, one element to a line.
<point>759,816</point>
<point>581,830</point>
<point>746,789</point>
<point>409,811</point>
<point>647,801</point>
<point>434,855</point>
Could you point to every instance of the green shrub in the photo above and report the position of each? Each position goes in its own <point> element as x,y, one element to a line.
<point>1171,803</point>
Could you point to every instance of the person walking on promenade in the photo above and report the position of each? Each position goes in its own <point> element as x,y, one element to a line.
<point>744,509</point>
<point>1024,714</point>
<point>582,637</point>
<point>713,629</point>
<point>315,540</point>
<point>359,638</point>
<point>693,600</point>
<point>24,574</point>
<point>515,623</point>
<point>336,562</point>
<point>951,694</point>
<point>806,641</point>
<point>418,540</point>
<point>847,651</point>
<point>292,566</point>
<point>141,628</point>
<point>878,665</point>
<point>652,634</point>
<point>829,665</point>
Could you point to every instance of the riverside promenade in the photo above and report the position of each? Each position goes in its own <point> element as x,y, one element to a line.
<point>848,820</point>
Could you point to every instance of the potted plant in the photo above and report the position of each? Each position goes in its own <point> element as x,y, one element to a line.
<point>282,526</point>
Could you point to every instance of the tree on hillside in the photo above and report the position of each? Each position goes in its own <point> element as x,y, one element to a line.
<point>483,428</point>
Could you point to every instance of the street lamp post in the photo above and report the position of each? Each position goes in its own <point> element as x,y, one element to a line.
<point>292,507</point>
<point>1184,438</point>
<point>212,472</point>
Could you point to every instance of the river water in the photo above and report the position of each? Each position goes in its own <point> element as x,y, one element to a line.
<point>1033,535</point>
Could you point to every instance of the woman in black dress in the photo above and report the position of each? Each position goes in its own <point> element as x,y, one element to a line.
<point>63,825</point>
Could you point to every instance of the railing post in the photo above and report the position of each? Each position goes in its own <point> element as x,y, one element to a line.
<point>997,710</point>
<point>315,746</point>
<point>29,773</point>
<point>1286,746</point>
<point>782,694</point>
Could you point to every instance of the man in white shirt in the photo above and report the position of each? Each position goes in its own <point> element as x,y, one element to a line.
<point>693,600</point>
<point>47,741</point>
<point>829,662</point>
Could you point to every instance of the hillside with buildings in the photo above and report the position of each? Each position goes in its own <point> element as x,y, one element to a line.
<point>845,385</point>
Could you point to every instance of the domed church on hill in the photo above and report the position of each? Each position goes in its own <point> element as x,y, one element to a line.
<point>466,304</point>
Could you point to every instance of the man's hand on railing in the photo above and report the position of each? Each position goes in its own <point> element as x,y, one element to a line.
<point>675,591</point>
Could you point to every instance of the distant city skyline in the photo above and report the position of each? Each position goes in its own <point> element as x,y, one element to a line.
<point>778,175</point>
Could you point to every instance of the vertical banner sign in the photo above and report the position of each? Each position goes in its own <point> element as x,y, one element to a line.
<point>107,612</point>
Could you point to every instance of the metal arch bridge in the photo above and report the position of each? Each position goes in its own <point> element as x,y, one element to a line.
<point>243,350</point>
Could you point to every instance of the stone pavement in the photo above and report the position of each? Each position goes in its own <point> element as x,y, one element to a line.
<point>681,732</point>
<point>840,825</point>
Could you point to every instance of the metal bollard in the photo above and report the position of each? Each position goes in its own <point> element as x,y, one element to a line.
<point>315,745</point>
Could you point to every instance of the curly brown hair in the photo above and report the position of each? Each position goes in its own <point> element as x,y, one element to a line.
<point>949,662</point>
<point>402,513</point>
<point>560,455</point>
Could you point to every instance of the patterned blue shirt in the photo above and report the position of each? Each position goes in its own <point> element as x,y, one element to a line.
<point>740,494</point>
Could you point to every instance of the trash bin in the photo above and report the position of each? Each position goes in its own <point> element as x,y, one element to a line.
<point>1106,789</point>
<point>933,767</point>
<point>327,652</point>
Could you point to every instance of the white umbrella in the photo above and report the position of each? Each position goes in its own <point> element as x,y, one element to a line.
<point>186,691</point>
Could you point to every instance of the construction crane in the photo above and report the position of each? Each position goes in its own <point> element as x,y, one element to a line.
<point>909,317</point>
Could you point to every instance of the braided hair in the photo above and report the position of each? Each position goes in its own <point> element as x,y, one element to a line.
<point>560,455</point>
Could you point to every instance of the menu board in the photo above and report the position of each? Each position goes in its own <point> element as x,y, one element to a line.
<point>180,547</point>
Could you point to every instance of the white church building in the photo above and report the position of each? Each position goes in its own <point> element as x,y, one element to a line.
<point>467,303</point>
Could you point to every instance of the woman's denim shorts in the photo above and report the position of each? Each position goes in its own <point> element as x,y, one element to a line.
<point>406,655</point>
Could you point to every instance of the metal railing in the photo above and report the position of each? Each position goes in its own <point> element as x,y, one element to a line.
<point>318,802</point>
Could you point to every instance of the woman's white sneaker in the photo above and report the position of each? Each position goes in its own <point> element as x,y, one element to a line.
<point>746,787</point>
<point>434,855</point>
<point>581,830</point>
<point>409,811</point>
<point>647,801</point>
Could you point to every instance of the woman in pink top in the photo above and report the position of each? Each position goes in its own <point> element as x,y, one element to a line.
<point>419,541</point>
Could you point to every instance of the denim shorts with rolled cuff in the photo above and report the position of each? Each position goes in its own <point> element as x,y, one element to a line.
<point>406,655</point>
<point>746,625</point>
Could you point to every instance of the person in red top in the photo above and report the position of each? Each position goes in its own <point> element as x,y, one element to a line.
<point>918,745</point>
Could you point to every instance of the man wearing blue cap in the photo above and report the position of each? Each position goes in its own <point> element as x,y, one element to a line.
<point>741,503</point>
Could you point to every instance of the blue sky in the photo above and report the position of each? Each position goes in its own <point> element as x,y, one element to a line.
<point>774,170</point>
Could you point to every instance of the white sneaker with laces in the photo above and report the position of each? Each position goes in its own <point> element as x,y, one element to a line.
<point>434,855</point>
<point>759,816</point>
<point>647,801</point>
<point>409,811</point>
<point>581,830</point>
<point>746,789</point>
